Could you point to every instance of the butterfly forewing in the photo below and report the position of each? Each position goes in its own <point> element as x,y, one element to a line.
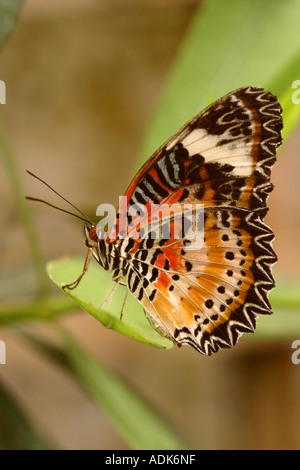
<point>205,294</point>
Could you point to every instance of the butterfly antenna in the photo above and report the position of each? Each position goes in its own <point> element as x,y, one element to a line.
<point>86,218</point>
<point>56,207</point>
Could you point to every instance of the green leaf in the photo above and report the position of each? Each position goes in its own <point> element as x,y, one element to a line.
<point>140,426</point>
<point>231,44</point>
<point>91,293</point>
<point>9,10</point>
<point>16,430</point>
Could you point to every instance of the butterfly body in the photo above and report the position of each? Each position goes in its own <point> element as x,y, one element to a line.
<point>205,295</point>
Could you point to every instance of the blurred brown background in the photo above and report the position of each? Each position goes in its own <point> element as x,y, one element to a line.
<point>83,80</point>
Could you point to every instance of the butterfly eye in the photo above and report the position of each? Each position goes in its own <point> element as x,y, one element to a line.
<point>91,235</point>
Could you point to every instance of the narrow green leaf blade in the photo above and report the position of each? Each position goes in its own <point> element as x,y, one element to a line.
<point>286,86</point>
<point>229,44</point>
<point>16,431</point>
<point>135,419</point>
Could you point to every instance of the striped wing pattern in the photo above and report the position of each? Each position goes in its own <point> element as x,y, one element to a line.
<point>221,159</point>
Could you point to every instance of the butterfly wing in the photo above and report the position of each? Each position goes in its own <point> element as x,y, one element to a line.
<point>207,295</point>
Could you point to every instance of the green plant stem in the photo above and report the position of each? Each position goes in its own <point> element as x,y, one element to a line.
<point>45,308</point>
<point>25,216</point>
<point>286,298</point>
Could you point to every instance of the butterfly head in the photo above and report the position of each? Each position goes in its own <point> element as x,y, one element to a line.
<point>92,234</point>
<point>96,239</point>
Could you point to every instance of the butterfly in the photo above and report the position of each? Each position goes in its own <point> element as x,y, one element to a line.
<point>204,295</point>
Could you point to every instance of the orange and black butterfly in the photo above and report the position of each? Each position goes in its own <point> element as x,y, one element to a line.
<point>204,295</point>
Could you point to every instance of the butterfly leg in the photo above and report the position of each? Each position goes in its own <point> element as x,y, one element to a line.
<point>74,284</point>
<point>118,281</point>
<point>124,303</point>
